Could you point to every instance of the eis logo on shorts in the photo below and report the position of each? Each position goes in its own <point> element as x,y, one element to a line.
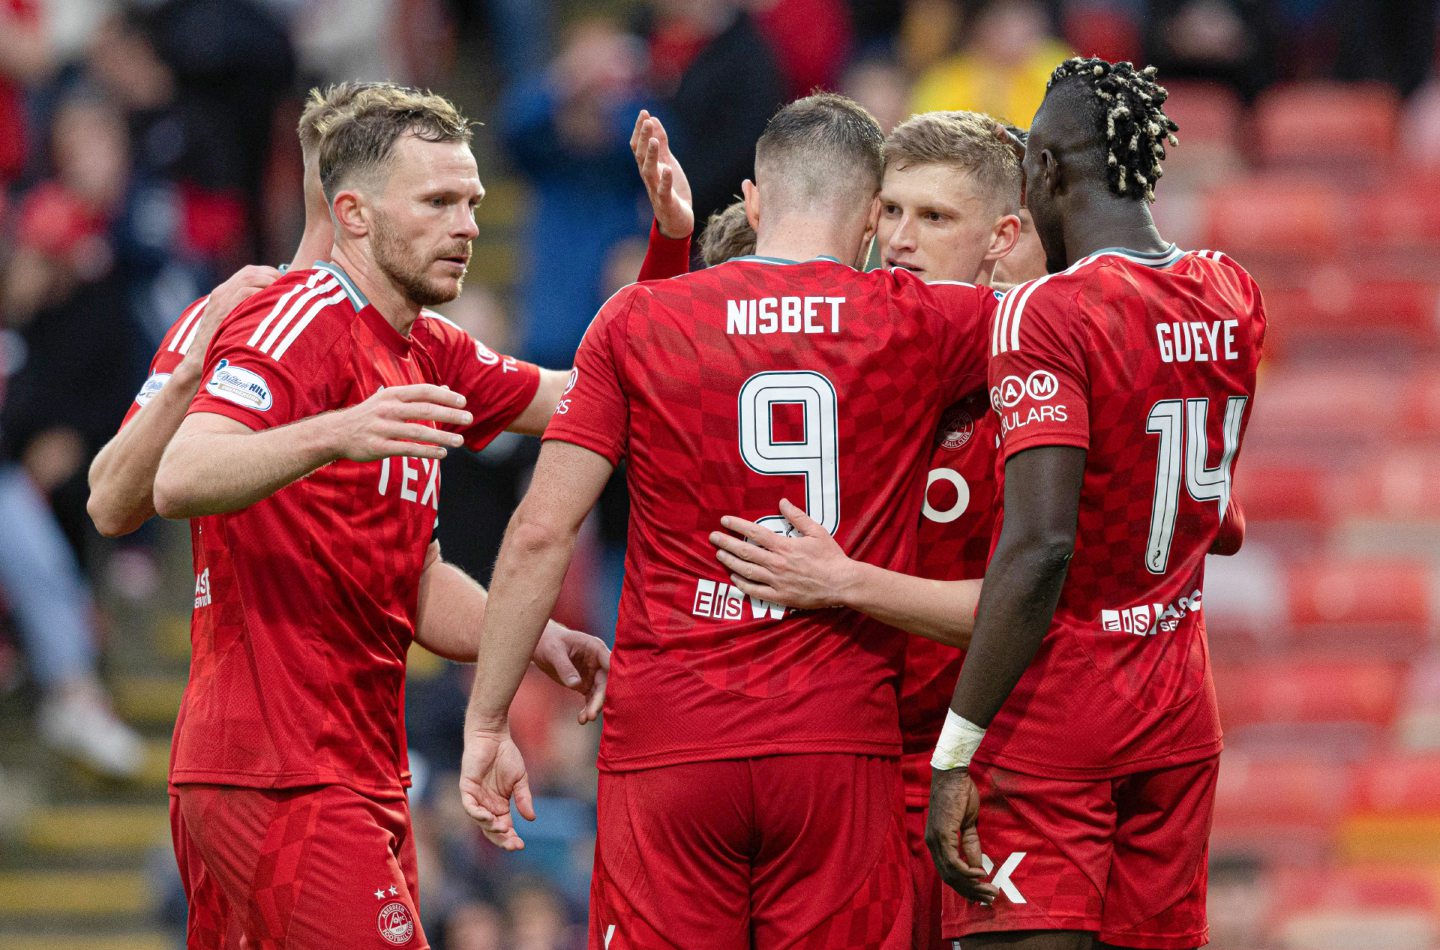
<point>395,923</point>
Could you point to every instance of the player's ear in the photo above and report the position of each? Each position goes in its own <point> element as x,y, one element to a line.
<point>1050,172</point>
<point>1003,237</point>
<point>752,204</point>
<point>872,220</point>
<point>348,213</point>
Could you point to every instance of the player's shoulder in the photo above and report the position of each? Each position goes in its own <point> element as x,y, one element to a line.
<point>1224,268</point>
<point>177,339</point>
<point>1044,304</point>
<point>304,311</point>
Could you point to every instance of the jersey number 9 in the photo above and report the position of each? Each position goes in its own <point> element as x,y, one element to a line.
<point>815,455</point>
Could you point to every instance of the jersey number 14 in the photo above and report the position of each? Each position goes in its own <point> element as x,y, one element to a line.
<point>1183,428</point>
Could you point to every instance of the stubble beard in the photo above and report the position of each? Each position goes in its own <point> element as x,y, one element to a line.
<point>394,259</point>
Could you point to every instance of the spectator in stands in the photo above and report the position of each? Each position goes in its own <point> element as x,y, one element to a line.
<point>881,87</point>
<point>26,59</point>
<point>64,296</point>
<point>720,81</point>
<point>1006,57</point>
<point>568,133</point>
<point>1229,42</point>
<point>811,39</point>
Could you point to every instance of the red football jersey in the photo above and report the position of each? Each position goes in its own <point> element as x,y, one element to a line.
<point>729,389</point>
<point>173,347</point>
<point>305,602</point>
<point>1148,362</point>
<point>956,524</point>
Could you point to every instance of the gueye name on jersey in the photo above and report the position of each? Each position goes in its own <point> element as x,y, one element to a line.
<point>1197,341</point>
<point>783,315</point>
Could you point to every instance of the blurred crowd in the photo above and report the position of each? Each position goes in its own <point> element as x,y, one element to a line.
<point>147,150</point>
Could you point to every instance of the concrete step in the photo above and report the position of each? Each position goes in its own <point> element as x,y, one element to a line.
<point>37,939</point>
<point>71,895</point>
<point>91,828</point>
<point>148,700</point>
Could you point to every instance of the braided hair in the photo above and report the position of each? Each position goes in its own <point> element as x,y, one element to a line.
<point>1136,127</point>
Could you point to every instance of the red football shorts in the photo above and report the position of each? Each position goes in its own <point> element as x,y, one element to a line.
<point>1123,857</point>
<point>926,882</point>
<point>787,851</point>
<point>323,866</point>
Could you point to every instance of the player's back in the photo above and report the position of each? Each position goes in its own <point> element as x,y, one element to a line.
<point>1148,362</point>
<point>744,384</point>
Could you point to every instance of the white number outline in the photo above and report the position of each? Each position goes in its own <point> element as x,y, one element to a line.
<point>1183,428</point>
<point>817,458</point>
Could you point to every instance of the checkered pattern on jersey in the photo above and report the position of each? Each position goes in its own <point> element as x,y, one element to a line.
<point>954,544</point>
<point>1123,643</point>
<point>685,644</point>
<point>309,596</point>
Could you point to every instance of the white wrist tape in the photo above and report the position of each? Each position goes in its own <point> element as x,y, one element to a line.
<point>959,739</point>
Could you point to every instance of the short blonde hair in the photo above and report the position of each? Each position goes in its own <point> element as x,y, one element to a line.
<point>727,234</point>
<point>968,141</point>
<point>360,137</point>
<point>321,104</point>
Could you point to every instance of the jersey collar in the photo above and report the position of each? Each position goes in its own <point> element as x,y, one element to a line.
<point>357,299</point>
<point>1149,258</point>
<point>758,259</point>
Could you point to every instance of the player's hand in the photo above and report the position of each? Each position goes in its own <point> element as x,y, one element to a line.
<point>392,422</point>
<point>664,179</point>
<point>806,570</point>
<point>953,835</point>
<point>576,661</point>
<point>243,284</point>
<point>491,771</point>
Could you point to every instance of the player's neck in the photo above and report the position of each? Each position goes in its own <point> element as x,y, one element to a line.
<point>315,245</point>
<point>387,299</point>
<point>795,241</point>
<point>1111,222</point>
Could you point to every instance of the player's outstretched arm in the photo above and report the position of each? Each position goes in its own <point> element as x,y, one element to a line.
<point>216,464</point>
<point>122,476</point>
<point>810,571</point>
<point>452,610</point>
<point>534,557</point>
<point>1022,587</point>
<point>536,416</point>
<point>664,179</point>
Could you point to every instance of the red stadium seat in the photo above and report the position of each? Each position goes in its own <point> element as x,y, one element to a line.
<point>1362,593</point>
<point>1350,308</point>
<point>1326,123</point>
<point>1403,212</point>
<point>1284,809</point>
<point>1311,691</point>
<point>1285,491</point>
<point>1329,406</point>
<point>1408,785</point>
<point>1403,484</point>
<point>1208,115</point>
<point>1276,216</point>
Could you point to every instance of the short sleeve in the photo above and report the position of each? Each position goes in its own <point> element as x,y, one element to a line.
<point>171,353</point>
<point>497,388</point>
<point>1039,384</point>
<point>594,412</point>
<point>262,383</point>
